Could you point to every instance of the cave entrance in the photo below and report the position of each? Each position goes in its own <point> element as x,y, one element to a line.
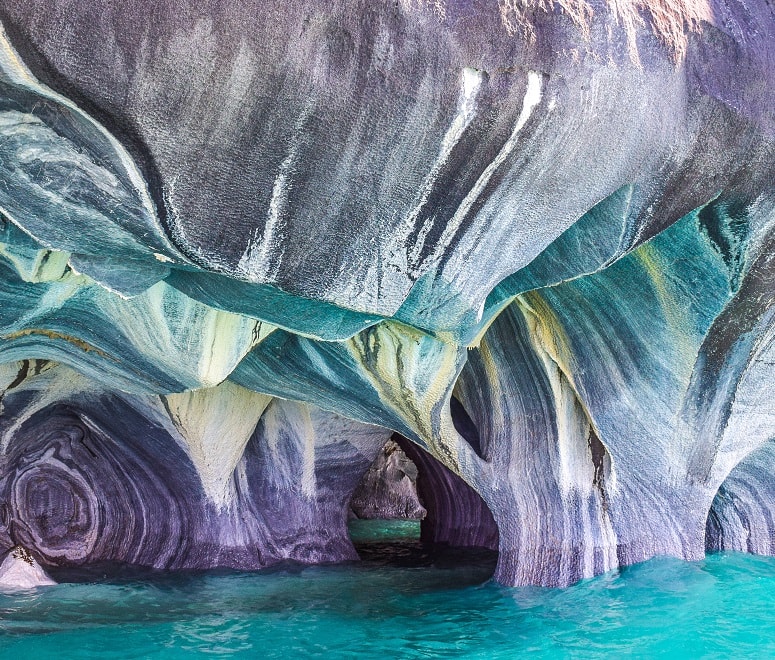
<point>385,507</point>
<point>409,509</point>
<point>742,516</point>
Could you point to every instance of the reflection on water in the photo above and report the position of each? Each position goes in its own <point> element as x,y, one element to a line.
<point>403,600</point>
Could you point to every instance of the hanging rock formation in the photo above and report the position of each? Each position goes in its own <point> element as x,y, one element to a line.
<point>94,474</point>
<point>242,245</point>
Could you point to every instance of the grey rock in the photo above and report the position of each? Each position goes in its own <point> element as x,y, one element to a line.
<point>389,488</point>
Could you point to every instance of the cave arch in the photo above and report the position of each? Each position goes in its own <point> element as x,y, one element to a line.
<point>450,511</point>
<point>76,491</point>
<point>742,516</point>
<point>456,513</point>
<point>104,478</point>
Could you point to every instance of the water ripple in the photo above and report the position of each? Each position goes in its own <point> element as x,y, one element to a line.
<point>427,606</point>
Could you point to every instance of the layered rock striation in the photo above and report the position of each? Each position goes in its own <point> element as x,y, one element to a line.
<point>241,480</point>
<point>242,246</point>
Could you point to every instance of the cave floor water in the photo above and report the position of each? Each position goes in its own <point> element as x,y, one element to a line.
<point>402,601</point>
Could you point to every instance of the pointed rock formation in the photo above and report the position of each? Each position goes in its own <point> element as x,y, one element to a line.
<point>389,488</point>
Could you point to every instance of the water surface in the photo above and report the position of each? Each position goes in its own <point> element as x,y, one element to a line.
<point>403,601</point>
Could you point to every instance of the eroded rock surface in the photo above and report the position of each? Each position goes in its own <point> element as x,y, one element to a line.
<point>95,474</point>
<point>389,488</point>
<point>241,245</point>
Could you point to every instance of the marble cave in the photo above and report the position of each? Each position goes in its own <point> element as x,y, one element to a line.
<point>246,245</point>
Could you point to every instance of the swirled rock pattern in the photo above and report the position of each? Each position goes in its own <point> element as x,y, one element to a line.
<point>742,517</point>
<point>743,513</point>
<point>99,475</point>
<point>241,245</point>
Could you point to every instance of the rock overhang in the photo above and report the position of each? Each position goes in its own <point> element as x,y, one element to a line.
<point>369,208</point>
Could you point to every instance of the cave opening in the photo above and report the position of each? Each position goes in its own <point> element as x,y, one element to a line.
<point>410,510</point>
<point>741,517</point>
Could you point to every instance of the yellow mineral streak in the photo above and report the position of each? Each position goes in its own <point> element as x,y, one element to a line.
<point>47,265</point>
<point>413,374</point>
<point>179,330</point>
<point>573,415</point>
<point>11,65</point>
<point>676,314</point>
<point>215,424</point>
<point>53,334</point>
<point>548,330</point>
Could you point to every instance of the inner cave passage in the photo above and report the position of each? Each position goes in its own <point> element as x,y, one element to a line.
<point>742,518</point>
<point>409,509</point>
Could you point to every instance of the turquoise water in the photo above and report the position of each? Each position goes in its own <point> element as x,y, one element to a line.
<point>410,604</point>
<point>373,531</point>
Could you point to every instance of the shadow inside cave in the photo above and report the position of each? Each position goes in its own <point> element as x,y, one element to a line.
<point>742,516</point>
<point>411,511</point>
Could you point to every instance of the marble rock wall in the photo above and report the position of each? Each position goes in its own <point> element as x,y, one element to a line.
<point>241,244</point>
<point>97,475</point>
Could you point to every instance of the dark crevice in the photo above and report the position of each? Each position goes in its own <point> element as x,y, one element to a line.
<point>20,376</point>
<point>714,528</point>
<point>601,462</point>
<point>456,513</point>
<point>726,226</point>
<point>457,527</point>
<point>465,426</point>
